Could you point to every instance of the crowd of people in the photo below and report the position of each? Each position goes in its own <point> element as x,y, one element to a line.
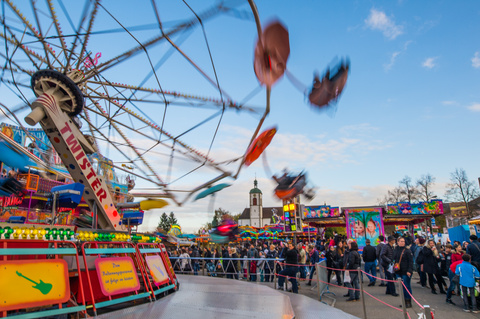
<point>235,260</point>
<point>390,259</point>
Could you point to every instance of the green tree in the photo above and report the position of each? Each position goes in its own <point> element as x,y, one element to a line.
<point>164,223</point>
<point>172,220</point>
<point>219,215</point>
<point>236,217</point>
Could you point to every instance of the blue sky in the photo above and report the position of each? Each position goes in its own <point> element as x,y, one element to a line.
<point>411,105</point>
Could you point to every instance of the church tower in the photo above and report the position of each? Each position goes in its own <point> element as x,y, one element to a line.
<point>256,212</point>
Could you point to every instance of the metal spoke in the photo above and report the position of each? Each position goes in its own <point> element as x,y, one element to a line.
<point>87,34</point>
<point>137,49</point>
<point>132,123</point>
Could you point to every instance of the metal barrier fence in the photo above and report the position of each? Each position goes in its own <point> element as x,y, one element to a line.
<point>252,269</point>
<point>156,265</point>
<point>114,274</point>
<point>45,278</point>
<point>46,265</point>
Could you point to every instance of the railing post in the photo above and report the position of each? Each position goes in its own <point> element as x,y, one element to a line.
<point>361,291</point>
<point>203,267</point>
<point>427,312</point>
<point>404,308</point>
<point>317,269</point>
<point>248,270</point>
<point>275,275</point>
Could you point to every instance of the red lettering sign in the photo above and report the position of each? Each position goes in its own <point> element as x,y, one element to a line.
<point>10,201</point>
<point>83,162</point>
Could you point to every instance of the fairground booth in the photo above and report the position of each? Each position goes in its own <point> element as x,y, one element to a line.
<point>413,215</point>
<point>368,222</point>
<point>320,217</point>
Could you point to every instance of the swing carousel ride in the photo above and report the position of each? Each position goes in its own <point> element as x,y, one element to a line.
<point>128,101</point>
<point>145,92</point>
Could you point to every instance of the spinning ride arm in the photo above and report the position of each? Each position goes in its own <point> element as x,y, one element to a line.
<point>58,101</point>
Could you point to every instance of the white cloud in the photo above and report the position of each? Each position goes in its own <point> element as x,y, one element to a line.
<point>476,60</point>
<point>429,63</point>
<point>378,20</point>
<point>393,57</point>
<point>348,145</point>
<point>449,102</point>
<point>475,107</point>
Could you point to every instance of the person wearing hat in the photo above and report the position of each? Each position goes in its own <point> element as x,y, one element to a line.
<point>386,257</point>
<point>473,249</point>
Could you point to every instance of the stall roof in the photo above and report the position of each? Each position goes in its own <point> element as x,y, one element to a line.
<point>474,221</point>
<point>328,221</point>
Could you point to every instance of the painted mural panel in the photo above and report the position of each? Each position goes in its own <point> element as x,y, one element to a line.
<point>434,207</point>
<point>320,212</point>
<point>364,223</point>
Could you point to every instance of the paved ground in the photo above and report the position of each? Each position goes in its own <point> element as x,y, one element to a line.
<point>375,309</point>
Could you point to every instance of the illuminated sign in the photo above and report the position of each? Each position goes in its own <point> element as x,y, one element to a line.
<point>290,217</point>
<point>33,283</point>
<point>116,275</point>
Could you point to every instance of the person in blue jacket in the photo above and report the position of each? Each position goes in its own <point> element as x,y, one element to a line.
<point>468,273</point>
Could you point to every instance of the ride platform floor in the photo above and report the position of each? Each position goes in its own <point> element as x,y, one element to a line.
<point>207,297</point>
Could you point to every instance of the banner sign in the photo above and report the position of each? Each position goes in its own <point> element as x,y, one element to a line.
<point>157,269</point>
<point>320,212</point>
<point>116,275</point>
<point>33,283</point>
<point>434,207</point>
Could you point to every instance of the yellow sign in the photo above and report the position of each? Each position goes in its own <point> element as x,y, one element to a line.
<point>33,283</point>
<point>157,269</point>
<point>117,275</point>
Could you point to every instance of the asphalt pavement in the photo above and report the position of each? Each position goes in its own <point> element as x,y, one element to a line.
<point>376,309</point>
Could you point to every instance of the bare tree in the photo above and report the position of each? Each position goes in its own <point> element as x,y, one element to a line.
<point>395,195</point>
<point>384,201</point>
<point>424,186</point>
<point>461,189</point>
<point>409,191</point>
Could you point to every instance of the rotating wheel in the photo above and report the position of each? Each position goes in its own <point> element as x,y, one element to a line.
<point>152,87</point>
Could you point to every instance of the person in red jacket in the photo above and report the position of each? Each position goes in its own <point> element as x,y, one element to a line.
<point>457,254</point>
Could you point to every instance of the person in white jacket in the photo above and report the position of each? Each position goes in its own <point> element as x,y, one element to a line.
<point>184,260</point>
